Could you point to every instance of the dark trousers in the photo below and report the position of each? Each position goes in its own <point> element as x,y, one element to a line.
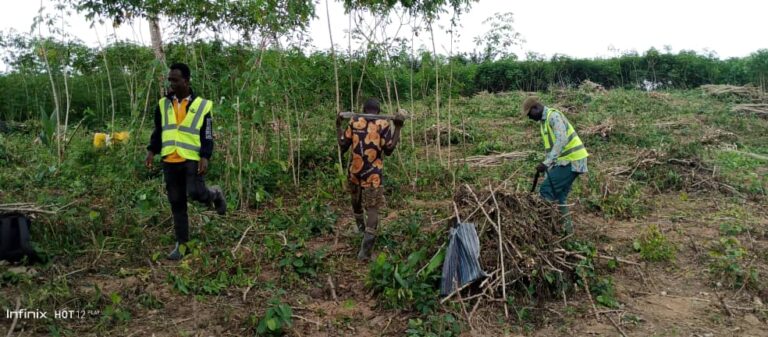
<point>182,180</point>
<point>557,184</point>
<point>556,187</point>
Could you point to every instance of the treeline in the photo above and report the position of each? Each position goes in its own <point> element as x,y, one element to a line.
<point>122,79</point>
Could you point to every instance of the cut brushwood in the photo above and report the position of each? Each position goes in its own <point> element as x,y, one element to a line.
<point>760,110</point>
<point>731,90</point>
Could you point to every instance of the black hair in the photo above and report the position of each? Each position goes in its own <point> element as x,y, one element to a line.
<point>371,104</point>
<point>183,68</point>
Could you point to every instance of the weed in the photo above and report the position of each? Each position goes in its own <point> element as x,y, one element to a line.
<point>114,312</point>
<point>402,284</point>
<point>296,259</point>
<point>728,264</point>
<point>445,325</point>
<point>654,246</point>
<point>274,322</point>
<point>730,229</point>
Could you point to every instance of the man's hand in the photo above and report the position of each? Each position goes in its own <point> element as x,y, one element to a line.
<point>150,158</point>
<point>399,118</point>
<point>202,166</point>
<point>339,120</point>
<point>541,167</point>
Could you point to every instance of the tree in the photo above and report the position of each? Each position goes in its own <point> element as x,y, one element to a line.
<point>501,36</point>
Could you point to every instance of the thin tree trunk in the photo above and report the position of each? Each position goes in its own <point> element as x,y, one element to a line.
<point>239,156</point>
<point>156,37</point>
<point>66,90</point>
<point>351,80</point>
<point>157,47</point>
<point>437,93</point>
<point>336,77</point>
<point>56,102</point>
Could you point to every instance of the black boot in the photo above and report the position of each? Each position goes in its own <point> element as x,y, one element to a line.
<point>219,203</point>
<point>366,247</point>
<point>175,255</point>
<point>360,222</point>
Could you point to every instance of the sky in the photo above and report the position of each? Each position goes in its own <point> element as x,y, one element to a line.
<point>584,28</point>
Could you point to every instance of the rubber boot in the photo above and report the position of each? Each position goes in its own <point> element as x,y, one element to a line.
<point>175,255</point>
<point>566,221</point>
<point>366,247</point>
<point>360,222</point>
<point>219,203</point>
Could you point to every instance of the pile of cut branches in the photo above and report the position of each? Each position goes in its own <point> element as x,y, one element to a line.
<point>723,90</point>
<point>759,110</point>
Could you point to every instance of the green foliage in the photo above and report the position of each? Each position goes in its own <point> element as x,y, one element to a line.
<point>626,203</point>
<point>275,321</point>
<point>485,148</point>
<point>728,264</point>
<point>602,288</point>
<point>299,260</point>
<point>401,284</point>
<point>654,246</point>
<point>604,292</point>
<point>316,217</point>
<point>207,273</point>
<point>115,312</point>
<point>444,325</point>
<point>731,229</point>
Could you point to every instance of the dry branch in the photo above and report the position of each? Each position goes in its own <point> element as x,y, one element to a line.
<point>495,159</point>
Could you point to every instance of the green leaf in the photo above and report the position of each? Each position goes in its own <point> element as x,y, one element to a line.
<point>400,279</point>
<point>272,324</point>
<point>285,312</point>
<point>436,262</point>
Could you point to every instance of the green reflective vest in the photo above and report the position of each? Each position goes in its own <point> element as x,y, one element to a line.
<point>184,137</point>
<point>574,150</point>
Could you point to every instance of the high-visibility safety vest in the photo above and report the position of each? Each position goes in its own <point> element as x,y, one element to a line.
<point>574,150</point>
<point>184,137</point>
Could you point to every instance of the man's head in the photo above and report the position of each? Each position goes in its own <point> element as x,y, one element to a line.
<point>178,77</point>
<point>533,108</point>
<point>371,106</point>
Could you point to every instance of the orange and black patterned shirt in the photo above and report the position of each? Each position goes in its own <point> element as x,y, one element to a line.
<point>367,139</point>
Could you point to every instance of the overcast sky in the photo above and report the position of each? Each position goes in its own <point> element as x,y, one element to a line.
<point>585,28</point>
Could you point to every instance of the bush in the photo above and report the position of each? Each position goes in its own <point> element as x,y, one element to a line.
<point>401,285</point>
<point>728,264</point>
<point>654,246</point>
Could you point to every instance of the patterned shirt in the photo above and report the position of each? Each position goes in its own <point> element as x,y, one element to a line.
<point>367,138</point>
<point>559,125</point>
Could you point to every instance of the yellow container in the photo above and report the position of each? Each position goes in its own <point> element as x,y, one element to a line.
<point>120,137</point>
<point>99,140</point>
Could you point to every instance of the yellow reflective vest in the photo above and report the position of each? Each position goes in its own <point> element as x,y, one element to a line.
<point>573,150</point>
<point>183,137</point>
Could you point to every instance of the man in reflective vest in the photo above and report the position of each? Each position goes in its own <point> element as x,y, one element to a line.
<point>566,157</point>
<point>183,136</point>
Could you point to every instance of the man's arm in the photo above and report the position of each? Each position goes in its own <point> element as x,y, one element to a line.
<point>343,135</point>
<point>206,137</point>
<point>560,130</point>
<point>155,140</point>
<point>392,138</point>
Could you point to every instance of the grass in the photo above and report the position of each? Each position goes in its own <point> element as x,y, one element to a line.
<point>107,241</point>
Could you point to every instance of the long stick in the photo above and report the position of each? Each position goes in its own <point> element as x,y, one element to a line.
<point>15,318</point>
<point>501,253</point>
